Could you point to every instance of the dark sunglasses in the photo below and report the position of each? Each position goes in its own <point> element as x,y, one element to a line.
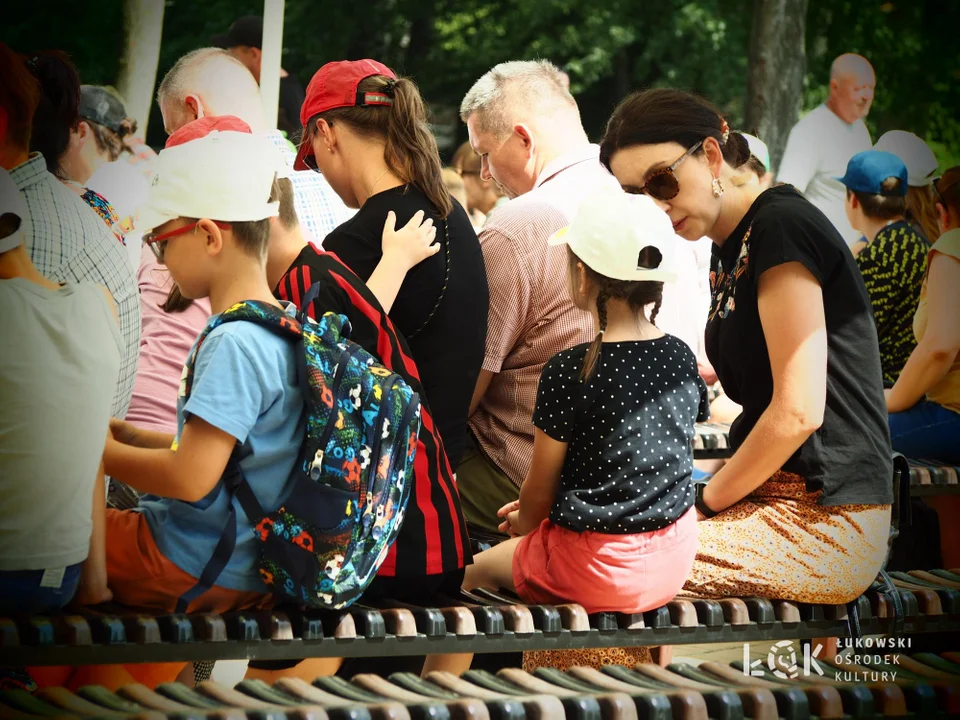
<point>311,162</point>
<point>663,184</point>
<point>936,189</point>
<point>158,243</point>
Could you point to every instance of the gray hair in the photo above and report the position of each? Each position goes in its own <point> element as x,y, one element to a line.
<point>532,83</point>
<point>175,84</point>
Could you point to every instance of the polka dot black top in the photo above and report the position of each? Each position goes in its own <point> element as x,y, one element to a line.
<point>630,432</point>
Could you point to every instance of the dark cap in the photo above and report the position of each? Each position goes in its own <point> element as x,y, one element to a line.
<point>247,30</point>
<point>98,105</point>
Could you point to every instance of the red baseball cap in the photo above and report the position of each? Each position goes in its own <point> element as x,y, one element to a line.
<point>335,86</point>
<point>201,127</point>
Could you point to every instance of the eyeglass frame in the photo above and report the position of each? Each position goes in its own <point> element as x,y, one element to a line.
<point>310,159</point>
<point>669,170</point>
<point>158,243</point>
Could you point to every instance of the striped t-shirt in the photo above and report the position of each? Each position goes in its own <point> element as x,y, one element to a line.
<point>433,538</point>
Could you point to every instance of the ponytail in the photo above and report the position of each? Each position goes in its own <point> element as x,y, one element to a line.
<point>58,112</point>
<point>401,119</point>
<point>593,352</point>
<point>411,149</point>
<point>110,142</point>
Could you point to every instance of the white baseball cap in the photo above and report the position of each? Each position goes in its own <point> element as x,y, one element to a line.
<point>610,230</point>
<point>914,152</point>
<point>224,176</point>
<point>13,204</point>
<point>758,148</point>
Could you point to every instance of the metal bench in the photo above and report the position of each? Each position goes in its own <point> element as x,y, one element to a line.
<point>923,686</point>
<point>711,441</point>
<point>478,622</point>
<point>930,478</point>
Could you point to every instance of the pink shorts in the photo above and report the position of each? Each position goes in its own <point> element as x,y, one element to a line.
<point>605,573</point>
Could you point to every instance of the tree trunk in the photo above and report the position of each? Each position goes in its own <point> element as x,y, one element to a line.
<point>143,26</point>
<point>776,70</point>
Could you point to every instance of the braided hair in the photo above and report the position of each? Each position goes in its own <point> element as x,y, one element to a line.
<point>638,294</point>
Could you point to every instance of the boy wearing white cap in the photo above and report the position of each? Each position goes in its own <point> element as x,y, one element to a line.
<point>58,373</point>
<point>605,516</point>
<point>207,218</point>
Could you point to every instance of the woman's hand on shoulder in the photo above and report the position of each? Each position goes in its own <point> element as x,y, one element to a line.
<point>411,244</point>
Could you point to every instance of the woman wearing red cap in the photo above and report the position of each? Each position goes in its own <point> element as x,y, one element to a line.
<point>366,130</point>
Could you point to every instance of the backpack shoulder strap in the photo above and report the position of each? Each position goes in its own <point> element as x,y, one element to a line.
<point>234,483</point>
<point>255,311</point>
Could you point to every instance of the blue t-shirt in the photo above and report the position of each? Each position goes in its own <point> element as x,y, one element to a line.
<point>245,383</point>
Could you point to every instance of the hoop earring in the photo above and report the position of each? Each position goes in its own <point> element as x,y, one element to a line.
<point>717,188</point>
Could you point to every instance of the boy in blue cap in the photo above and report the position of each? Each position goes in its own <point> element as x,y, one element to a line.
<point>892,255</point>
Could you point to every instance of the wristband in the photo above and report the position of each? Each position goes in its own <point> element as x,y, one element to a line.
<point>701,505</point>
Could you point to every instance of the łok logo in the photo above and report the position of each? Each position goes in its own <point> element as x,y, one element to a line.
<point>782,661</point>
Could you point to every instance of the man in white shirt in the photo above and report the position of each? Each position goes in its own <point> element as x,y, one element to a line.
<point>822,143</point>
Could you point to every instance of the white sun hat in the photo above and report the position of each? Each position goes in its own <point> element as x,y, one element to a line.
<point>225,176</point>
<point>13,204</point>
<point>916,155</point>
<point>610,230</point>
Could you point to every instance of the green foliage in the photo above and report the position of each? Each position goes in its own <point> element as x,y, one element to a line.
<point>91,33</point>
<point>607,47</point>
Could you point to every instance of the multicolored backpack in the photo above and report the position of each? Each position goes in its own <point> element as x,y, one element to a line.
<point>352,480</point>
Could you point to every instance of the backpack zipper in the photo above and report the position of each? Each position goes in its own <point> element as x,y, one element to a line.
<point>378,428</point>
<point>335,391</point>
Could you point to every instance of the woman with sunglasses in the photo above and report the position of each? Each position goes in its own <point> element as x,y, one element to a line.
<point>802,509</point>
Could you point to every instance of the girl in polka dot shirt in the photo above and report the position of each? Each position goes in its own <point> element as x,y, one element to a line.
<point>605,517</point>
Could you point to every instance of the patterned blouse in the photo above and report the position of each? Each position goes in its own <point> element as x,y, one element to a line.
<point>893,266</point>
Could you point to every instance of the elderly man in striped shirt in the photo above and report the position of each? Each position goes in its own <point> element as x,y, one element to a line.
<point>526,127</point>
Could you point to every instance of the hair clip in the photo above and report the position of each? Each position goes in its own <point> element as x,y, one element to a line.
<point>390,87</point>
<point>724,130</point>
<point>32,62</point>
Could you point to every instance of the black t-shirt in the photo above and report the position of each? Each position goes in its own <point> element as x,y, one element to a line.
<point>433,538</point>
<point>849,458</point>
<point>629,431</point>
<point>449,348</point>
<point>288,109</point>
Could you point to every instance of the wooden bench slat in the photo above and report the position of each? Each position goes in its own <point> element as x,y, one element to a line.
<point>684,704</point>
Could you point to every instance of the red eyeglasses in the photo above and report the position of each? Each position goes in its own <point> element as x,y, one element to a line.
<point>158,243</point>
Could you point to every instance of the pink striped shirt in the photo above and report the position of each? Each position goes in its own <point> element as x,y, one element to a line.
<point>531,316</point>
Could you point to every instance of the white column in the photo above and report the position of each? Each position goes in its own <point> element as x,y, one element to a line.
<point>271,48</point>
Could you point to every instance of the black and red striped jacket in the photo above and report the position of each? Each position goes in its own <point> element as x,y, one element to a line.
<point>433,538</point>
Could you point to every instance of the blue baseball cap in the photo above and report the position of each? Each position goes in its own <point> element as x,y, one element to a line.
<point>867,170</point>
